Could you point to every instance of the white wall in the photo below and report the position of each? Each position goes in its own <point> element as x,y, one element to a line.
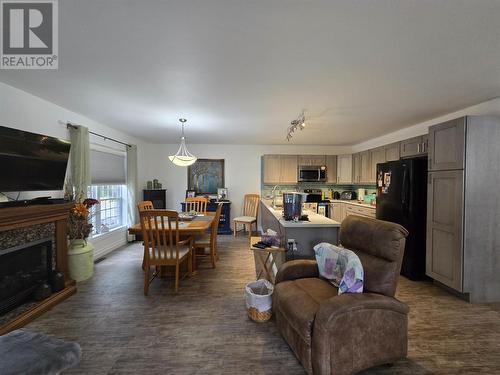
<point>242,167</point>
<point>488,108</point>
<point>21,110</point>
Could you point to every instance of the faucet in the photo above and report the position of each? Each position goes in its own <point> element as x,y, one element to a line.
<point>273,192</point>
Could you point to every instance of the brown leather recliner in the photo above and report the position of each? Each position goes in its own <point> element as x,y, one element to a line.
<point>343,334</point>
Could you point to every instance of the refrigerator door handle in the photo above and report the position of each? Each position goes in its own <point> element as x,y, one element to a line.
<point>405,191</point>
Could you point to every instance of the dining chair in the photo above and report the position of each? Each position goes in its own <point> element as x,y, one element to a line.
<point>162,244</point>
<point>198,204</point>
<point>209,240</point>
<point>250,210</point>
<point>144,206</point>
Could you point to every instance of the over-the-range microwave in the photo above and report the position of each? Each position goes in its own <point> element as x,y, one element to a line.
<point>312,173</point>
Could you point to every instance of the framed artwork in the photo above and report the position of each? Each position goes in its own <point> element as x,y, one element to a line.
<point>190,193</point>
<point>205,176</point>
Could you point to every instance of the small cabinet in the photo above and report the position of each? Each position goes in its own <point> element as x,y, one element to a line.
<point>331,168</point>
<point>392,152</point>
<point>157,196</point>
<point>415,146</point>
<point>445,212</point>
<point>356,168</point>
<point>447,145</point>
<point>312,160</point>
<point>344,169</point>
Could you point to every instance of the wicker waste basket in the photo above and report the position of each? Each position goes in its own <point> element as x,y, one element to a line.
<point>259,297</point>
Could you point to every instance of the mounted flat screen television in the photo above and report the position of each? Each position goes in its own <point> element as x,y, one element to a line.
<point>30,161</point>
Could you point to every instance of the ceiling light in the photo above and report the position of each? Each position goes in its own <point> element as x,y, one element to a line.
<point>298,123</point>
<point>183,157</point>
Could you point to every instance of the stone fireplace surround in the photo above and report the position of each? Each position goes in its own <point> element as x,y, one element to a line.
<point>27,224</point>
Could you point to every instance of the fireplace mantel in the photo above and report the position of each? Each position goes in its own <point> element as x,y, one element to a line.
<point>22,217</point>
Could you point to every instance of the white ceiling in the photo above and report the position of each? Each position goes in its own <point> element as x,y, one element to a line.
<point>241,70</point>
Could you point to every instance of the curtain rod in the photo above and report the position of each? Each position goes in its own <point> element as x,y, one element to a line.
<point>74,126</point>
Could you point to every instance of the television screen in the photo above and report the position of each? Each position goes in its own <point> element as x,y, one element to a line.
<point>31,161</point>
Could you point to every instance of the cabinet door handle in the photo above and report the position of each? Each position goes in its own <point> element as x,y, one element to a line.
<point>418,148</point>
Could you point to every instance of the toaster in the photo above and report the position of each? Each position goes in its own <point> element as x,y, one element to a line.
<point>348,195</point>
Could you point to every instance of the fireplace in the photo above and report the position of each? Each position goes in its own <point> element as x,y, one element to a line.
<point>24,269</point>
<point>33,251</point>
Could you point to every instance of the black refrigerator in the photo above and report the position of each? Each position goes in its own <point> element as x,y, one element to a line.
<point>402,199</point>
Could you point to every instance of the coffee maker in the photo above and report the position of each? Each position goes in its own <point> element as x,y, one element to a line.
<point>292,205</point>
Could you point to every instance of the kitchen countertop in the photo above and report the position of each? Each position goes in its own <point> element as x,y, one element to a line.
<point>315,220</point>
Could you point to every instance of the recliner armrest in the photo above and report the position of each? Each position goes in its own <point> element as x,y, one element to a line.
<point>297,269</point>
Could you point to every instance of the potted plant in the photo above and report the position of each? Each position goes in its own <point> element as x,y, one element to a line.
<point>80,251</point>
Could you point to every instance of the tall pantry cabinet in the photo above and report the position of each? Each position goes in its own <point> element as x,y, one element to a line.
<point>463,213</point>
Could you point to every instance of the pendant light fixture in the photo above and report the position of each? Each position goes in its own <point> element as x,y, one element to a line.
<point>183,157</point>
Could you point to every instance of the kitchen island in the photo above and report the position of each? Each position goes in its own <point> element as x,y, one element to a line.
<point>306,234</point>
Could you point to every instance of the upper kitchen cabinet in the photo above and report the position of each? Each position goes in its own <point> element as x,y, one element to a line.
<point>289,168</point>
<point>312,160</point>
<point>344,169</point>
<point>392,152</point>
<point>447,145</point>
<point>279,169</point>
<point>361,168</point>
<point>331,168</point>
<point>377,156</point>
<point>416,146</point>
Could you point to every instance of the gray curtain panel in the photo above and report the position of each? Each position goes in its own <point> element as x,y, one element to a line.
<point>131,186</point>
<point>80,161</point>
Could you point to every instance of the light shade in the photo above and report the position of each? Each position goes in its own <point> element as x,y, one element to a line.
<point>183,157</point>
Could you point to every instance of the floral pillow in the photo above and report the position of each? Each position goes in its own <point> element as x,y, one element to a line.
<point>341,266</point>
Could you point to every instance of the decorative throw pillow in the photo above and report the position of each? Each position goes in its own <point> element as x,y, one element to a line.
<point>341,266</point>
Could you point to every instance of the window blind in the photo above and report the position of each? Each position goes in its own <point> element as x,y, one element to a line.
<point>107,168</point>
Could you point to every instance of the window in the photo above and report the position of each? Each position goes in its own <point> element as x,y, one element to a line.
<point>107,169</point>
<point>111,211</point>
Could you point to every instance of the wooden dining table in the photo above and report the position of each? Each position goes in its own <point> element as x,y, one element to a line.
<point>197,226</point>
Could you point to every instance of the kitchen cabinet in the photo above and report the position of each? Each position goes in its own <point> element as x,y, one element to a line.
<point>331,168</point>
<point>416,146</point>
<point>344,169</point>
<point>289,169</point>
<point>463,208</point>
<point>447,145</point>
<point>392,152</point>
<point>377,156</point>
<point>336,211</point>
<point>356,168</point>
<point>361,168</point>
<point>445,206</point>
<point>351,209</point>
<point>279,169</point>
<point>315,160</point>
<point>366,172</point>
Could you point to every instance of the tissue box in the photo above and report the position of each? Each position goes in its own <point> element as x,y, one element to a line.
<point>271,239</point>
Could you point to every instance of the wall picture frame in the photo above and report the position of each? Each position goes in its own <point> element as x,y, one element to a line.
<point>222,194</point>
<point>205,176</point>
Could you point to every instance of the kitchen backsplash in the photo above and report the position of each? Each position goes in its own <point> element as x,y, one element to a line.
<point>267,189</point>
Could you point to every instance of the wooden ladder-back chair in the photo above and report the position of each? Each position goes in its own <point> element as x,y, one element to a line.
<point>250,210</point>
<point>162,245</point>
<point>210,240</point>
<point>144,206</point>
<point>198,204</point>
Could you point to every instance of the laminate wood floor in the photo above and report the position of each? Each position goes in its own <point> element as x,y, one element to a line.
<point>204,328</point>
